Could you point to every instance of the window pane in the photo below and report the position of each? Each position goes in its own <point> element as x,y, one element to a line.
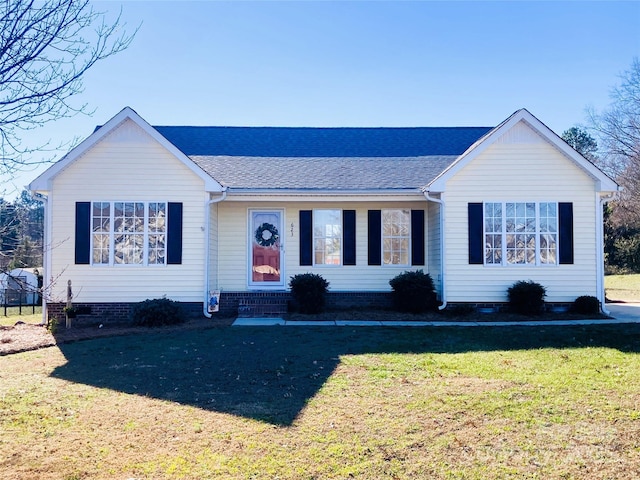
<point>120,230</point>
<point>129,228</point>
<point>100,225</point>
<point>327,237</point>
<point>548,249</point>
<point>493,249</point>
<point>396,236</point>
<point>530,233</point>
<point>128,248</point>
<point>548,217</point>
<point>156,229</point>
<point>100,251</point>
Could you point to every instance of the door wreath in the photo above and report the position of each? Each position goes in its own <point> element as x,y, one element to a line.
<point>267,235</point>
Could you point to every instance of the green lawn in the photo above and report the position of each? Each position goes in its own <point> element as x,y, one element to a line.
<point>625,288</point>
<point>327,403</point>
<point>28,315</point>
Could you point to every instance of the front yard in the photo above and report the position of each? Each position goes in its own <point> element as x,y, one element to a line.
<point>318,403</point>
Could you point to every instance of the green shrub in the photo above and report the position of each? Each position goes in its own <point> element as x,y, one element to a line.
<point>309,292</point>
<point>156,312</point>
<point>52,325</point>
<point>527,297</point>
<point>413,291</point>
<point>586,305</point>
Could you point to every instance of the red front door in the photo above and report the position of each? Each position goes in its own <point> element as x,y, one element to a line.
<point>265,248</point>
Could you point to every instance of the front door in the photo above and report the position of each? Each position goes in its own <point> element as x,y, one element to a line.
<point>265,248</point>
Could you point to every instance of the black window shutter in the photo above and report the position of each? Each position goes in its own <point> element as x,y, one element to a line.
<point>374,230</point>
<point>83,233</point>
<point>476,245</point>
<point>565,228</point>
<point>306,237</point>
<point>174,233</point>
<point>417,237</point>
<point>349,237</point>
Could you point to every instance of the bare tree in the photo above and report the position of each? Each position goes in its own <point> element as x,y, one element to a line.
<point>618,129</point>
<point>46,47</point>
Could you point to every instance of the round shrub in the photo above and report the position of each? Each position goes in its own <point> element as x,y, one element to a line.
<point>309,291</point>
<point>527,297</point>
<point>413,291</point>
<point>586,305</point>
<point>156,312</point>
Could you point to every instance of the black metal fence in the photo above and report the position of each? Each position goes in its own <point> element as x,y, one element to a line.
<point>20,299</point>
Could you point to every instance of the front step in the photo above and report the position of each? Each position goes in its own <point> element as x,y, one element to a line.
<point>262,307</point>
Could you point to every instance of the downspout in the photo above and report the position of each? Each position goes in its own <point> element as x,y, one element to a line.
<point>207,254</point>
<point>599,252</point>
<point>440,201</point>
<point>46,253</point>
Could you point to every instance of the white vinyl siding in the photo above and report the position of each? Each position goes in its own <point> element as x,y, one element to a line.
<point>118,168</point>
<point>496,175</point>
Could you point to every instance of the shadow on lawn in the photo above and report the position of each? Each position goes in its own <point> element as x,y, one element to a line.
<point>270,373</point>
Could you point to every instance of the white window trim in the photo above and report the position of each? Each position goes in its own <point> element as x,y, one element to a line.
<point>112,235</point>
<point>504,233</point>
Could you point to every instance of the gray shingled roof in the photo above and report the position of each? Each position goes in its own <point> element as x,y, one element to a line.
<point>340,159</point>
<point>386,173</point>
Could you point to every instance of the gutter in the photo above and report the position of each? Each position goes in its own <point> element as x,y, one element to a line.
<point>207,255</point>
<point>325,191</point>
<point>600,203</point>
<point>443,288</point>
<point>46,256</point>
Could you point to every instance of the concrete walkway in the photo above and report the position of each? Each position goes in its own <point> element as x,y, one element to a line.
<point>621,313</point>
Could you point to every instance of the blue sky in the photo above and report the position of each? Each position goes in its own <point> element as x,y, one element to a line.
<point>357,63</point>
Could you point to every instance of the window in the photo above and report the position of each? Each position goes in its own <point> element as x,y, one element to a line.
<point>128,233</point>
<point>327,237</point>
<point>157,233</point>
<point>396,237</point>
<point>101,228</point>
<point>521,233</point>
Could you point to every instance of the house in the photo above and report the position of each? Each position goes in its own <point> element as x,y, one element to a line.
<point>20,286</point>
<point>136,212</point>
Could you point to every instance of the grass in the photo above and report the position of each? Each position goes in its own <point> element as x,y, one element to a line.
<point>623,288</point>
<point>13,314</point>
<point>318,403</point>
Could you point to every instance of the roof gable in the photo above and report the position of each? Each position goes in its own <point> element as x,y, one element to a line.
<point>604,183</point>
<point>43,182</point>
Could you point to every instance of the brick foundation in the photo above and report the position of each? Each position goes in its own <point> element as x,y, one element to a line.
<point>108,313</point>
<point>230,303</point>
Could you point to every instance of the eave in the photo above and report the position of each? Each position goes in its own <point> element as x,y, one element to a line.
<point>318,195</point>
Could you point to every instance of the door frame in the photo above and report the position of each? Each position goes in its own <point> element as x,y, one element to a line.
<point>251,284</point>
